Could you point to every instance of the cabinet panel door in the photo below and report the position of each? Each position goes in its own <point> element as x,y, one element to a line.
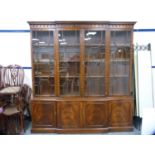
<point>43,114</point>
<point>121,113</point>
<point>69,114</point>
<point>95,114</point>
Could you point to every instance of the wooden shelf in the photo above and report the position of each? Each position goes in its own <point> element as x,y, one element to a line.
<point>68,61</point>
<point>120,45</point>
<point>94,76</point>
<point>119,60</point>
<point>70,45</point>
<point>43,76</point>
<point>119,76</point>
<point>42,45</point>
<point>95,45</point>
<point>65,77</point>
<point>43,62</point>
<point>96,60</point>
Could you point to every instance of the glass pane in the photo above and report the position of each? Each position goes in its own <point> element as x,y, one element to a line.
<point>44,85</point>
<point>94,63</point>
<point>94,37</point>
<point>119,38</point>
<point>94,68</point>
<point>69,67</point>
<point>42,38</point>
<point>119,85</point>
<point>119,62</point>
<point>94,86</point>
<point>43,60</point>
<point>69,54</point>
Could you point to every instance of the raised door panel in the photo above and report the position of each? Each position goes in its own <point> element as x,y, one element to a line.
<point>95,114</point>
<point>69,114</point>
<point>43,114</point>
<point>121,113</point>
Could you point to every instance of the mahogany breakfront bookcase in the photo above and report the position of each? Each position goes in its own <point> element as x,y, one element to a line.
<point>82,76</point>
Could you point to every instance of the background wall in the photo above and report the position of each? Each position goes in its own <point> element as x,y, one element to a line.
<point>15,45</point>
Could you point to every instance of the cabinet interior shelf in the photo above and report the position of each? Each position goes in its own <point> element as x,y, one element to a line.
<point>47,45</point>
<point>87,60</point>
<point>95,60</point>
<point>94,45</point>
<point>43,62</point>
<point>94,76</point>
<point>119,76</point>
<point>119,60</point>
<point>68,61</point>
<point>120,45</point>
<point>70,76</point>
<point>44,76</point>
<point>69,45</point>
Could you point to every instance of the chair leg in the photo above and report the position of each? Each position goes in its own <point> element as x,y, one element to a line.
<point>21,123</point>
<point>29,113</point>
<point>14,124</point>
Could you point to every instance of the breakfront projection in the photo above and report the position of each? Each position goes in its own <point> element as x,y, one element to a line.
<point>82,76</point>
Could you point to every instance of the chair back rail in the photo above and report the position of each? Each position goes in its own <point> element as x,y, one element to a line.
<point>1,76</point>
<point>13,75</point>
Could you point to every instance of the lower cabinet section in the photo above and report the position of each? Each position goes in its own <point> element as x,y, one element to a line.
<point>95,114</point>
<point>69,114</point>
<point>43,115</point>
<point>120,113</point>
<point>81,116</point>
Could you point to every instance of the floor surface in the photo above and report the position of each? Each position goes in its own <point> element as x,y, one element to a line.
<point>134,132</point>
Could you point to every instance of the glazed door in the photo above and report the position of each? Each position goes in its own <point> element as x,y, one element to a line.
<point>94,63</point>
<point>43,63</point>
<point>69,62</point>
<point>120,62</point>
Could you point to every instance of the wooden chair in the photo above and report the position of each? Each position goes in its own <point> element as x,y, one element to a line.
<point>1,77</point>
<point>26,96</point>
<point>1,101</point>
<point>13,113</point>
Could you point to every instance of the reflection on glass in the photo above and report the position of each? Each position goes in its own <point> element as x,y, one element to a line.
<point>95,68</point>
<point>69,53</point>
<point>119,38</point>
<point>119,85</point>
<point>69,67</point>
<point>94,37</point>
<point>42,38</point>
<point>44,85</point>
<point>69,38</point>
<point>43,54</point>
<point>94,63</point>
<point>43,59</point>
<point>119,62</point>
